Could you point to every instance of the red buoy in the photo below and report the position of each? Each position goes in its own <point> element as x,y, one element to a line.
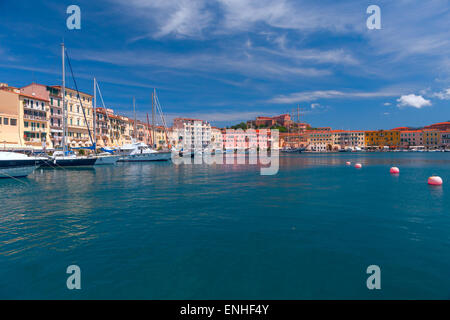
<point>358,166</point>
<point>435,181</point>
<point>394,170</point>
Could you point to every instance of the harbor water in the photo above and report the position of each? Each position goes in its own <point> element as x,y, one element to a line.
<point>165,231</point>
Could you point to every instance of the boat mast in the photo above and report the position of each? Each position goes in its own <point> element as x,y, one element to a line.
<point>63,92</point>
<point>153,119</point>
<point>134,111</point>
<point>95,114</point>
<point>149,136</point>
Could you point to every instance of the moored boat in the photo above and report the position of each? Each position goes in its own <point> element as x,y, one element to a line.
<point>59,159</point>
<point>17,165</point>
<point>140,152</point>
<point>106,159</point>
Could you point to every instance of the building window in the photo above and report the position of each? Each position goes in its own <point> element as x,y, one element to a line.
<point>5,121</point>
<point>14,122</point>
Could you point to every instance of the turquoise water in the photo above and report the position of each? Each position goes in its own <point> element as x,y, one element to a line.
<point>159,231</point>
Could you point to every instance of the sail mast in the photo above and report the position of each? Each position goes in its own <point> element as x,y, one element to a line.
<point>95,113</point>
<point>153,119</point>
<point>63,92</point>
<point>149,136</point>
<point>134,111</point>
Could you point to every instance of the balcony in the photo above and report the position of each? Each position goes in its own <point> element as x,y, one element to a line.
<point>33,117</point>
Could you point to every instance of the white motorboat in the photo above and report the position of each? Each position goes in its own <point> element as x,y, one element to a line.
<point>16,165</point>
<point>139,151</point>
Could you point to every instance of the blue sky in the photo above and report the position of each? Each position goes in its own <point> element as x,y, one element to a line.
<point>230,60</point>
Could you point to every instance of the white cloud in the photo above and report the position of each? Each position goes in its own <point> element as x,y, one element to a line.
<point>329,94</point>
<point>386,104</point>
<point>412,100</point>
<point>235,61</point>
<point>443,95</point>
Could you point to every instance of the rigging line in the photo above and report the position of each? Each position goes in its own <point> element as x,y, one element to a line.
<point>158,106</point>
<point>79,98</point>
<point>7,175</point>
<point>104,107</point>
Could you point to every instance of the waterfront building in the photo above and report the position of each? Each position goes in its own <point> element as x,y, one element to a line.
<point>343,139</point>
<point>11,134</point>
<point>382,138</point>
<point>217,141</point>
<point>293,139</point>
<point>318,140</point>
<point>192,133</point>
<point>431,138</point>
<point>42,119</point>
<point>445,139</point>
<point>78,128</point>
<point>247,139</point>
<point>410,138</point>
<point>36,130</point>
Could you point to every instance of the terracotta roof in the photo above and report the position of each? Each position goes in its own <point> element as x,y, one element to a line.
<point>67,88</point>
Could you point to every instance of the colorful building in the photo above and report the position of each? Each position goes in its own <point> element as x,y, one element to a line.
<point>11,133</point>
<point>431,138</point>
<point>320,140</point>
<point>343,139</point>
<point>411,138</point>
<point>79,118</point>
<point>445,139</point>
<point>382,138</point>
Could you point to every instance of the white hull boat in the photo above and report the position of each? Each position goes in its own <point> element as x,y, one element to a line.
<point>140,152</point>
<point>106,159</point>
<point>17,165</point>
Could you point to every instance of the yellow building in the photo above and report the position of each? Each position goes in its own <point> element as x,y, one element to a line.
<point>77,126</point>
<point>11,135</point>
<point>319,140</point>
<point>431,139</point>
<point>382,138</point>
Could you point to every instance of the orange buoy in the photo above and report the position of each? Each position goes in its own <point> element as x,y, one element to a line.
<point>394,170</point>
<point>358,166</point>
<point>435,181</point>
<point>348,163</point>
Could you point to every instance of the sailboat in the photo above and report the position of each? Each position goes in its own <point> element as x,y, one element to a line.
<point>107,157</point>
<point>66,158</point>
<point>139,151</point>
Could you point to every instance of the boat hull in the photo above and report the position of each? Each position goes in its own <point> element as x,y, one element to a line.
<point>107,160</point>
<point>17,168</point>
<point>144,157</point>
<point>70,162</point>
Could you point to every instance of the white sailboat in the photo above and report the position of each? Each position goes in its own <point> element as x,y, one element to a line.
<point>139,151</point>
<point>65,158</point>
<point>107,157</point>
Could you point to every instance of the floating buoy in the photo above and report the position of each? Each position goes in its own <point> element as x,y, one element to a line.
<point>394,170</point>
<point>435,181</point>
<point>358,166</point>
<point>348,163</point>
